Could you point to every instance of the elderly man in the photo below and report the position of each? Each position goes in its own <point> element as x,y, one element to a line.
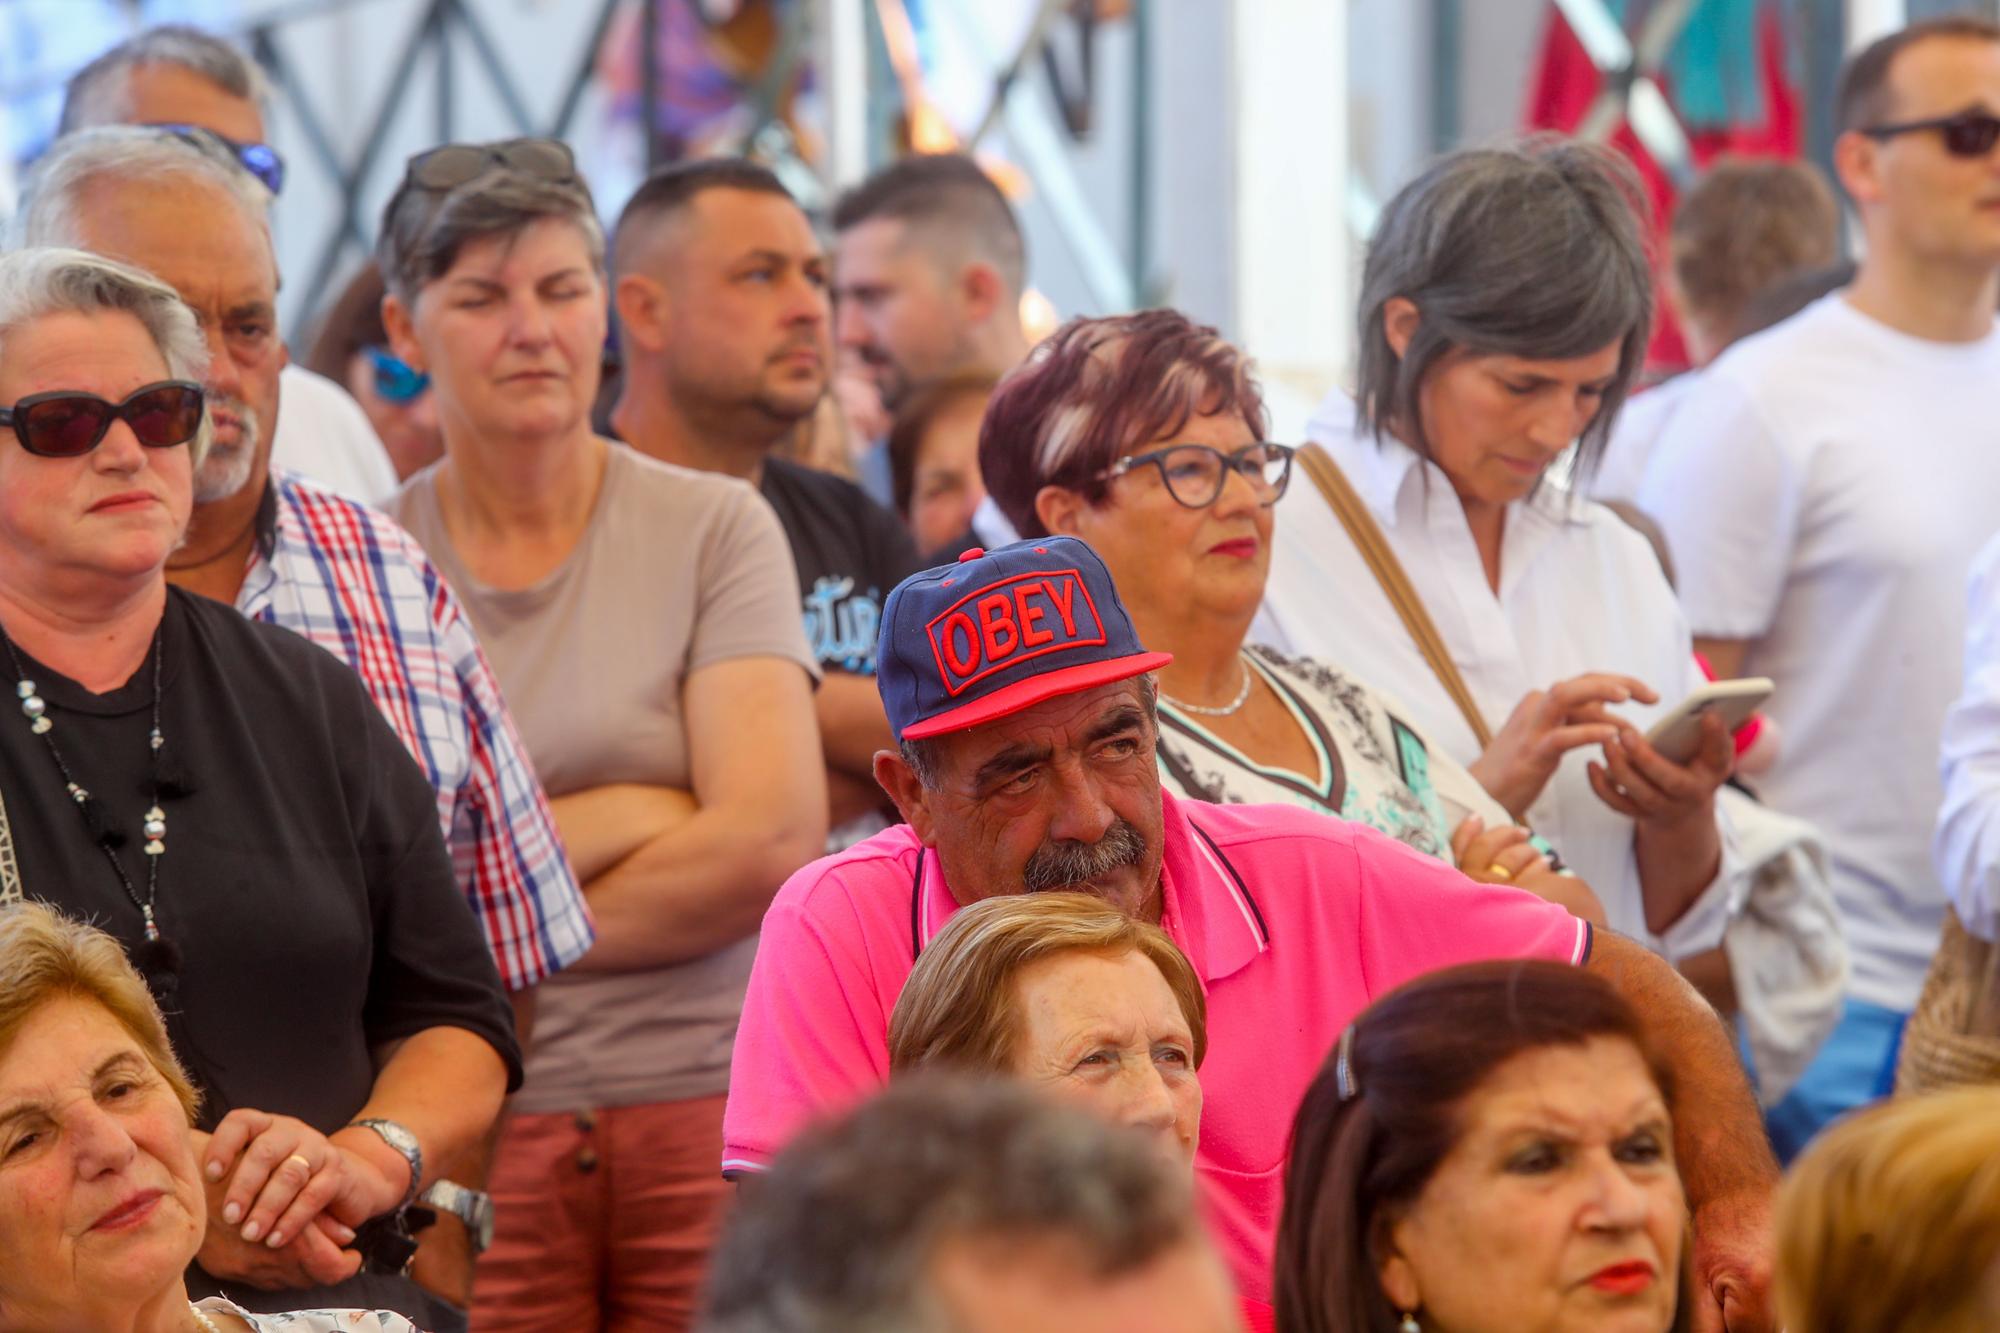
<point>1019,697</point>
<point>285,551</point>
<point>176,75</point>
<point>972,1207</point>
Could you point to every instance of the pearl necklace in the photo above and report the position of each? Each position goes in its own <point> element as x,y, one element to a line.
<point>1242,697</point>
<point>208,1325</point>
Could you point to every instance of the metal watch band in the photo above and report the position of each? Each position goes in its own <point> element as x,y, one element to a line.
<point>405,1143</point>
<point>472,1207</point>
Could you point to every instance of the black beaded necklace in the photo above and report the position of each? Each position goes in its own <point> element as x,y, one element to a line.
<point>158,958</point>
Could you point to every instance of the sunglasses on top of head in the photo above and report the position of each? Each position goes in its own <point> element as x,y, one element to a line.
<point>1967,134</point>
<point>68,423</point>
<point>443,169</point>
<point>259,159</point>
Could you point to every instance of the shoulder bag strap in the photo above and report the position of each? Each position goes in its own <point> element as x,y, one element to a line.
<point>10,869</point>
<point>1374,547</point>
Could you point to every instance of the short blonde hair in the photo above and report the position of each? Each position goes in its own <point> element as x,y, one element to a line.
<point>957,1008</point>
<point>46,956</point>
<point>1892,1220</point>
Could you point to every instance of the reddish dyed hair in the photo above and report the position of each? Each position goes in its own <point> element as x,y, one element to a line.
<point>1097,388</point>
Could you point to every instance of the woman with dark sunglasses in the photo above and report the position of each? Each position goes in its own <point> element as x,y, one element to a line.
<point>1145,436</point>
<point>225,799</point>
<point>644,622</point>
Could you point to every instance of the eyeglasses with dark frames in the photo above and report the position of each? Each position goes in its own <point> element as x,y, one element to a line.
<point>1195,474</point>
<point>259,159</point>
<point>68,423</point>
<point>1967,134</point>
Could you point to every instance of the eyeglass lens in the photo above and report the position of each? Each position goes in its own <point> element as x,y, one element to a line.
<point>1195,473</point>
<point>395,380</point>
<point>1971,135</point>
<point>65,425</point>
<point>453,165</point>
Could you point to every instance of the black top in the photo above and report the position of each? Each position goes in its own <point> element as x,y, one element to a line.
<point>305,882</point>
<point>849,551</point>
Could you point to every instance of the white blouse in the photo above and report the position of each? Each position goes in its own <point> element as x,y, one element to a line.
<point>1579,592</point>
<point>312,1321</point>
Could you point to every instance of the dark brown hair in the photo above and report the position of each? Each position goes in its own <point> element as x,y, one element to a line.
<point>353,322</point>
<point>1416,1055</point>
<point>1863,96</point>
<point>1096,387</point>
<point>949,204</point>
<point>674,187</point>
<point>913,422</point>
<point>1746,224</point>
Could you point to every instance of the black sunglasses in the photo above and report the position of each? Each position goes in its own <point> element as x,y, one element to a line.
<point>446,168</point>
<point>1967,134</point>
<point>68,423</point>
<point>259,159</point>
<point>1196,473</point>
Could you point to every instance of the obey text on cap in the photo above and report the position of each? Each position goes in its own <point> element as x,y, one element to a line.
<point>1010,621</point>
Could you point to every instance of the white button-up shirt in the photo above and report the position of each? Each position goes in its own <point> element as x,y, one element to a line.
<point>1579,592</point>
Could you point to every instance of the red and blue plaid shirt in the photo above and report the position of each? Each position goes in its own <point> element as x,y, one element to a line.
<point>347,578</point>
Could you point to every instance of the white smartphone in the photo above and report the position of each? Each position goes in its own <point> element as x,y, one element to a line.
<point>1677,736</point>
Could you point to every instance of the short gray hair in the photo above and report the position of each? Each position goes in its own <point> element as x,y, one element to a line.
<point>1533,249</point>
<point>36,283</point>
<point>423,231</point>
<point>50,212</point>
<point>97,93</point>
<point>925,757</point>
<point>840,1235</point>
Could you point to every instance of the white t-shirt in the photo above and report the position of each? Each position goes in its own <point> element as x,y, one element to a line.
<point>1579,592</point>
<point>1636,434</point>
<point>1967,849</point>
<point>323,433</point>
<point>1824,494</point>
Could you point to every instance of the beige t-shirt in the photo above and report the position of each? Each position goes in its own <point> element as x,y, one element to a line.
<point>677,570</point>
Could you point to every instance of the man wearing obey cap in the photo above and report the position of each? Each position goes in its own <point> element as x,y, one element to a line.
<point>1019,696</point>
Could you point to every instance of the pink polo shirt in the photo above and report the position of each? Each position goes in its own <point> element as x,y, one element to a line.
<point>1294,922</point>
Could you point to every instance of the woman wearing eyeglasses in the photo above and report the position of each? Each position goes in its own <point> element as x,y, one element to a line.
<point>1144,435</point>
<point>226,800</point>
<point>644,622</point>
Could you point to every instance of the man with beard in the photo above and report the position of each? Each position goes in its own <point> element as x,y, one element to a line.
<point>1024,717</point>
<point>283,550</point>
<point>721,295</point>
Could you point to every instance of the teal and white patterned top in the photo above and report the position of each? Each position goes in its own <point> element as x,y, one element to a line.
<point>311,1321</point>
<point>1373,767</point>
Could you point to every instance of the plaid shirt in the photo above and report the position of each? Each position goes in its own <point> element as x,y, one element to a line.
<point>347,578</point>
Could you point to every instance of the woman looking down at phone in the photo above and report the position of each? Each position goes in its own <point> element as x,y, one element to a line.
<point>1145,436</point>
<point>1506,303</point>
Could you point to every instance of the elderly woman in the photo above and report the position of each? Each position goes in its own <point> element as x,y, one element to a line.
<point>1072,996</point>
<point>1506,303</point>
<point>102,1202</point>
<point>1145,435</point>
<point>1488,1149</point>
<point>643,620</point>
<point>226,799</point>
<point>1891,1220</point>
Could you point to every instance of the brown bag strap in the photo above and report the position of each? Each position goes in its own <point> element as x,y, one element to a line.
<point>1388,570</point>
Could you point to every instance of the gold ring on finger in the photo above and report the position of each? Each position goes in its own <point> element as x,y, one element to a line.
<point>302,1162</point>
<point>1499,871</point>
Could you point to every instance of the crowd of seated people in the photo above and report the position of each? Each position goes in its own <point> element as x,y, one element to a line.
<point>613,881</point>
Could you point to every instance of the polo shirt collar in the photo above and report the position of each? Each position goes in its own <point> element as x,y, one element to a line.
<point>1209,910</point>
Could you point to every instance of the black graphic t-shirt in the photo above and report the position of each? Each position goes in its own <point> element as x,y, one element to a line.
<point>849,551</point>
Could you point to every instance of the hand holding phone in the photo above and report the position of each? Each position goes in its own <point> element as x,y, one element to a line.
<point>1677,736</point>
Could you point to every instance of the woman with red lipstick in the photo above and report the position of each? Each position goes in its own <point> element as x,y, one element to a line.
<point>1143,435</point>
<point>102,1204</point>
<point>1489,1149</point>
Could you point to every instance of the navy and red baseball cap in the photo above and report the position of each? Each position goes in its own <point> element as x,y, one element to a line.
<point>1000,631</point>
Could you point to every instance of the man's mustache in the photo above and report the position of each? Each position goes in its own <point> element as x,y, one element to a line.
<point>1067,863</point>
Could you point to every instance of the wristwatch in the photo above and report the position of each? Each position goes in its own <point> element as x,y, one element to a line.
<point>470,1206</point>
<point>403,1142</point>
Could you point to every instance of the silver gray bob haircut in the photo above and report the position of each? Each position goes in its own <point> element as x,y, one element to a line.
<point>50,211</point>
<point>1533,249</point>
<point>37,283</point>
<point>423,230</point>
<point>98,94</point>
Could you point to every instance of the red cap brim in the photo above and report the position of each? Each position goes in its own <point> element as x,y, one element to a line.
<point>1023,694</point>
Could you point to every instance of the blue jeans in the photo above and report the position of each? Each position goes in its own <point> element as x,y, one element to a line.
<point>1856,1066</point>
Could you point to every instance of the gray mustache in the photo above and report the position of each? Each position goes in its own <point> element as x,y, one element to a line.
<point>1061,865</point>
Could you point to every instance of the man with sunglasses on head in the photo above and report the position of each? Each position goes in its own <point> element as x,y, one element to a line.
<point>285,551</point>
<point>722,298</point>
<point>1825,490</point>
<point>181,78</point>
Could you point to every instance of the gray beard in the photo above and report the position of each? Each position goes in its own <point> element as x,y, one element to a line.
<point>226,469</point>
<point>1066,864</point>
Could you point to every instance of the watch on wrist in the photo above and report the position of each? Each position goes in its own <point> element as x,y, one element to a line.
<point>405,1143</point>
<point>470,1206</point>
